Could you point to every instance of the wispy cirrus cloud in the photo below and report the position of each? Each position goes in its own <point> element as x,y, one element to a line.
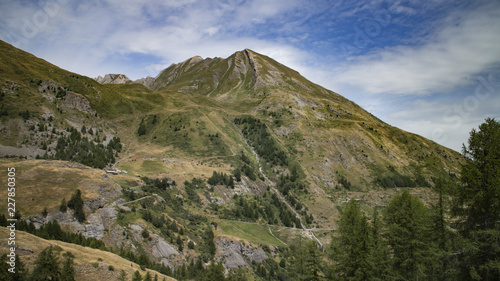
<point>465,44</point>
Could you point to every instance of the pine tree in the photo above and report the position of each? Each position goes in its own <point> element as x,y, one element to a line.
<point>64,206</point>
<point>209,239</point>
<point>46,266</point>
<point>122,276</point>
<point>76,204</point>
<point>142,128</point>
<point>215,272</point>
<point>443,263</point>
<point>137,276</point>
<point>147,277</point>
<point>4,267</point>
<point>380,256</point>
<point>68,272</point>
<point>21,273</point>
<point>307,261</point>
<point>408,229</point>
<point>351,250</point>
<point>179,243</point>
<point>477,203</point>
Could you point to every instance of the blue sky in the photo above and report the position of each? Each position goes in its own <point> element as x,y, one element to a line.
<point>428,67</point>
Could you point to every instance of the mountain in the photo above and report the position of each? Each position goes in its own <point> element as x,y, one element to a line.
<point>225,159</point>
<point>113,79</point>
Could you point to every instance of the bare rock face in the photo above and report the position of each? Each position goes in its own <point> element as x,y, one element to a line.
<point>237,254</point>
<point>148,81</point>
<point>113,79</point>
<point>99,221</point>
<point>161,249</point>
<point>77,101</point>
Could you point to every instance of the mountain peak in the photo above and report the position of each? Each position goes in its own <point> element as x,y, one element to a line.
<point>113,79</point>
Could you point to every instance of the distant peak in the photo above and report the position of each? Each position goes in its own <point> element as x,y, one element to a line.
<point>113,79</point>
<point>196,59</point>
<point>192,60</point>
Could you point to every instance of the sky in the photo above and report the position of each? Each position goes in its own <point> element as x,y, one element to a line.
<point>427,67</point>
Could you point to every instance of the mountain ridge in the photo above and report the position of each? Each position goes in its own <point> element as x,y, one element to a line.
<point>208,141</point>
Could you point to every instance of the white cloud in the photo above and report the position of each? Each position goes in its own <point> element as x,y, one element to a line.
<point>464,46</point>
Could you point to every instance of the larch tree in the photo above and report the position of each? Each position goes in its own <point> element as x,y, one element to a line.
<point>477,203</point>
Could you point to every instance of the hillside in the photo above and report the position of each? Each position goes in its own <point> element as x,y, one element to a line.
<point>90,264</point>
<point>215,159</point>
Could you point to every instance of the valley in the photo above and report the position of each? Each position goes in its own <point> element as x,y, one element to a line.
<point>216,165</point>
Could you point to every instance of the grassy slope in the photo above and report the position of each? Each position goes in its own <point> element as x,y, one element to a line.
<point>254,233</point>
<point>84,258</point>
<point>327,134</point>
<point>41,184</point>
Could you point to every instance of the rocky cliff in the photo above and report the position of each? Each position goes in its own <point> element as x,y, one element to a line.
<point>113,79</point>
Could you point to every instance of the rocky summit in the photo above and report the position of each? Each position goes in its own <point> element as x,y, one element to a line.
<point>113,79</point>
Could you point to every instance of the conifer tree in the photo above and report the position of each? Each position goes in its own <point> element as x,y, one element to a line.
<point>352,249</point>
<point>307,262</point>
<point>122,276</point>
<point>64,206</point>
<point>380,256</point>
<point>4,267</point>
<point>443,264</point>
<point>209,239</point>
<point>408,229</point>
<point>215,272</point>
<point>76,204</point>
<point>68,272</point>
<point>137,276</point>
<point>179,243</point>
<point>46,266</point>
<point>477,203</point>
<point>21,273</point>
<point>142,128</point>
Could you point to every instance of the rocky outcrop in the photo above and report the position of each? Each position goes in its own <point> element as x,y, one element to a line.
<point>48,88</point>
<point>236,254</point>
<point>113,79</point>
<point>77,101</point>
<point>148,81</point>
<point>162,250</point>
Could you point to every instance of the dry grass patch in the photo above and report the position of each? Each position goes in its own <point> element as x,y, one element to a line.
<point>42,183</point>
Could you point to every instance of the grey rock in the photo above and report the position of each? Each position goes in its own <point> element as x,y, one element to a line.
<point>113,79</point>
<point>237,254</point>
